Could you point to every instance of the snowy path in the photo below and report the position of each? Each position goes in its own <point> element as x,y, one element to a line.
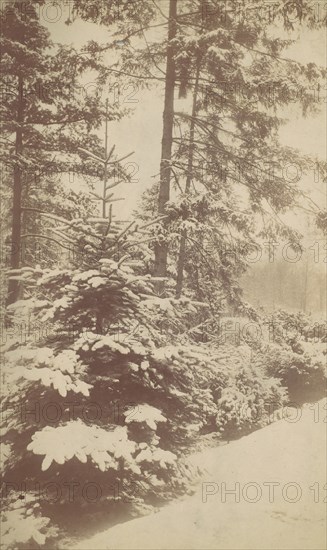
<point>273,507</point>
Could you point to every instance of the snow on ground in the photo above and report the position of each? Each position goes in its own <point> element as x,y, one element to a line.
<point>278,475</point>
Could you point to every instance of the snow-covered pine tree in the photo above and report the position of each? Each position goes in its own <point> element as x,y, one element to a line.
<point>229,149</point>
<point>230,58</point>
<point>46,116</point>
<point>103,395</point>
<point>115,399</point>
<point>232,135</point>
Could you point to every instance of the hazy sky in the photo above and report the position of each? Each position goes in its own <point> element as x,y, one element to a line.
<point>141,132</point>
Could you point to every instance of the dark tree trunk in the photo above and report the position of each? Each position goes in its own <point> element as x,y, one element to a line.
<point>161,248</point>
<point>305,287</point>
<point>182,246</point>
<point>16,232</point>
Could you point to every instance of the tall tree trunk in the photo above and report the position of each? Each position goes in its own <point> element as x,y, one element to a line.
<point>161,249</point>
<point>182,246</point>
<point>305,286</point>
<point>16,232</point>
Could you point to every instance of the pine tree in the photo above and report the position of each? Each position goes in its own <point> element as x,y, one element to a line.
<point>46,115</point>
<point>161,249</point>
<point>232,140</point>
<point>95,335</point>
<point>230,135</point>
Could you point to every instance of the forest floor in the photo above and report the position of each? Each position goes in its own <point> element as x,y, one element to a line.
<point>278,478</point>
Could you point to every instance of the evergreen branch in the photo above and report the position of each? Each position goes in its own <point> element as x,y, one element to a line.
<point>54,122</point>
<point>110,153</point>
<point>176,180</point>
<point>91,155</point>
<point>135,243</point>
<point>51,216</point>
<point>35,235</point>
<point>62,235</point>
<point>125,230</point>
<point>158,219</point>
<point>114,185</point>
<point>98,197</point>
<point>135,76</point>
<point>150,53</point>
<point>122,158</point>
<point>115,200</point>
<point>88,233</point>
<point>127,37</point>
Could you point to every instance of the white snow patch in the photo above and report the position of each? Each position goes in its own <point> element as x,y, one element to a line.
<point>284,453</point>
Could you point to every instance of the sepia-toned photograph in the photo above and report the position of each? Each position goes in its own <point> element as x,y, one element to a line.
<point>163,252</point>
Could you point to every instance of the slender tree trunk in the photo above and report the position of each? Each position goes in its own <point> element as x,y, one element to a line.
<point>182,246</point>
<point>16,232</point>
<point>305,289</point>
<point>161,249</point>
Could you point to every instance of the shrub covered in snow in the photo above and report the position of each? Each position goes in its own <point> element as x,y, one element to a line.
<point>107,395</point>
<point>23,524</point>
<point>248,401</point>
<point>116,392</point>
<point>294,328</point>
<point>296,354</point>
<point>304,374</point>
